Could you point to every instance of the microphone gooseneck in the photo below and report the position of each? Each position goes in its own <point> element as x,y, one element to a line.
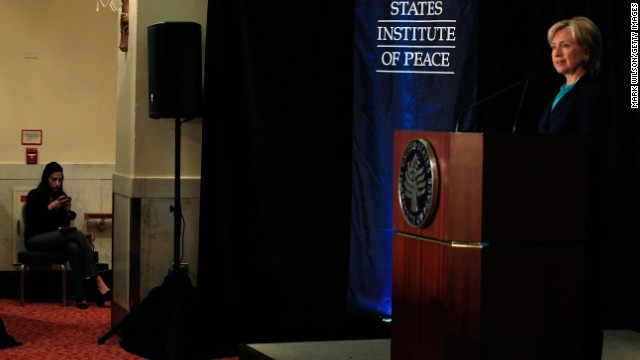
<point>524,81</point>
<point>524,92</point>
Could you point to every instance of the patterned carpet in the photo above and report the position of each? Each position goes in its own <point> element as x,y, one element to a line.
<point>49,331</point>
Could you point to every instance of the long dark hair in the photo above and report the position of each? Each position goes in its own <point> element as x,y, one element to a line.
<point>49,169</point>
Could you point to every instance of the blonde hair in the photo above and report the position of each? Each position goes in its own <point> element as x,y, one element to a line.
<point>587,35</point>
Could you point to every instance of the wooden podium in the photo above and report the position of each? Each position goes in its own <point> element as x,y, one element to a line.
<point>497,273</point>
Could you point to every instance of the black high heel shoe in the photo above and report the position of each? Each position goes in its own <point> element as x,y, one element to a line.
<point>82,304</point>
<point>101,298</point>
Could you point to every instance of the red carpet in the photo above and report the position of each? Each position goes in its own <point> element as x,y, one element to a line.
<point>50,331</point>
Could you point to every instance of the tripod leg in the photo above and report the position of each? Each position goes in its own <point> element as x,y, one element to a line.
<point>109,333</point>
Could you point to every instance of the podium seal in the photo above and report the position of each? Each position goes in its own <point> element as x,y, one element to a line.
<point>418,183</point>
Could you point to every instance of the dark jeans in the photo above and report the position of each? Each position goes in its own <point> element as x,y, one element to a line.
<point>77,247</point>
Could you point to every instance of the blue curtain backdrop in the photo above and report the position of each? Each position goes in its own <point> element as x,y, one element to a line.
<point>415,67</point>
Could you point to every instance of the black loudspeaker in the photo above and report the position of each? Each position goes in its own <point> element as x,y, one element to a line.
<point>175,70</point>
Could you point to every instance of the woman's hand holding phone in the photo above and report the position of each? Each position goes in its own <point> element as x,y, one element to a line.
<point>62,201</point>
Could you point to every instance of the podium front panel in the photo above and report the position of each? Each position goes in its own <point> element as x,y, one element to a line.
<point>498,271</point>
<point>501,188</point>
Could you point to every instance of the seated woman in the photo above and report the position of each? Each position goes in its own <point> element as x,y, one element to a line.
<point>48,209</point>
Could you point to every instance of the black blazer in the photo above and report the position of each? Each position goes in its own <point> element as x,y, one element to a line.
<point>581,111</point>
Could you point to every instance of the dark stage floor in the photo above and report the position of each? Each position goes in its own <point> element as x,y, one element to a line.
<point>618,345</point>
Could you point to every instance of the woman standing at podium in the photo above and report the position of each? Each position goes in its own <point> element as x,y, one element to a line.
<point>581,106</point>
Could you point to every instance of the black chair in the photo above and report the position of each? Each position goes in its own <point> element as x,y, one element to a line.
<point>28,258</point>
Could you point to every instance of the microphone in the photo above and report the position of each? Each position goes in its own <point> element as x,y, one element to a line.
<point>524,81</point>
<point>524,92</point>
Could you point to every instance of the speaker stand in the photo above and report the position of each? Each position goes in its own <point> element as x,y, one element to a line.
<point>176,281</point>
<point>177,208</point>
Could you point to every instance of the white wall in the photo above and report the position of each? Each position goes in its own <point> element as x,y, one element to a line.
<point>145,146</point>
<point>68,90</point>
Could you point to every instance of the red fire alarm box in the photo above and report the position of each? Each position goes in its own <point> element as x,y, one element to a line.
<point>32,155</point>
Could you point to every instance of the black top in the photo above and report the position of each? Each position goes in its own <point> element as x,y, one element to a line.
<point>37,217</point>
